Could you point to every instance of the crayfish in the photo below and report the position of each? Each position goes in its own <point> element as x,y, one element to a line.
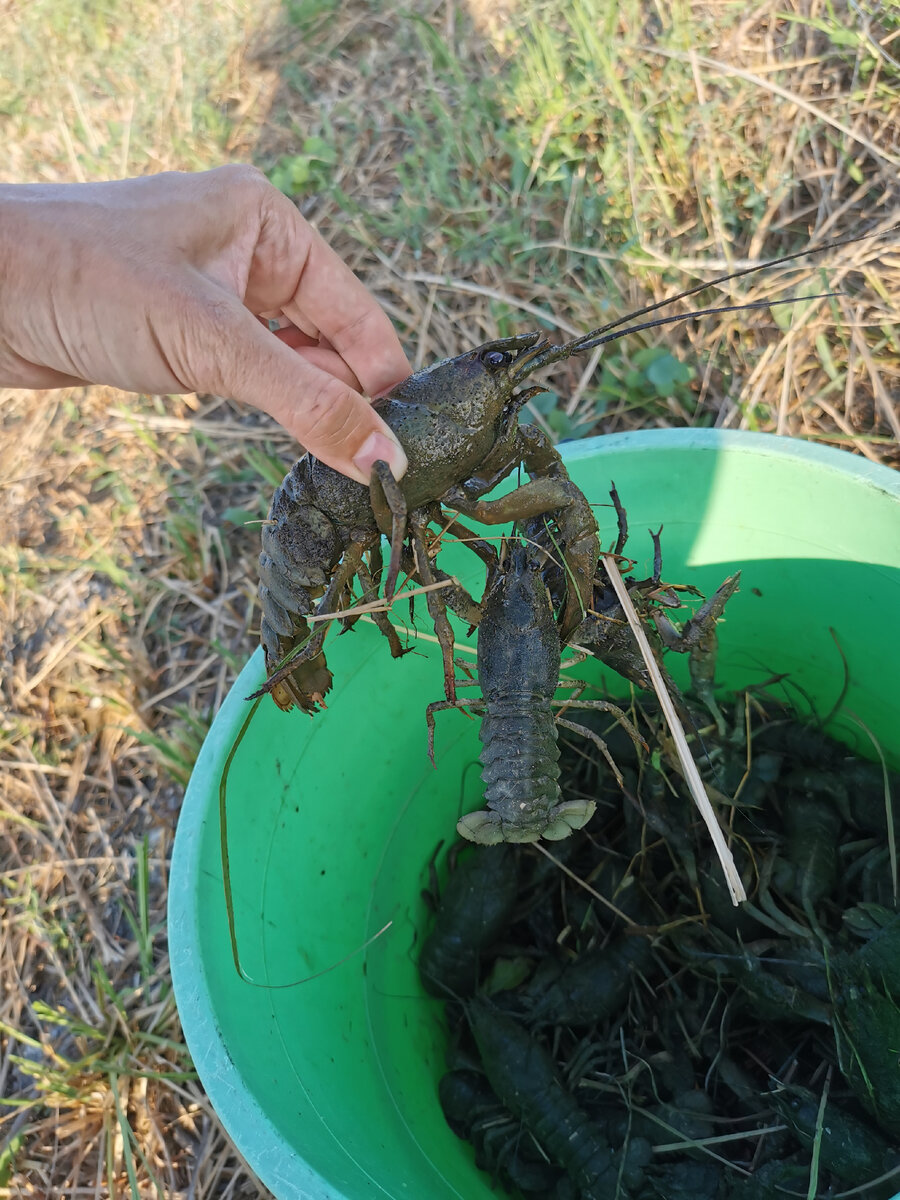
<point>518,660</point>
<point>518,672</point>
<point>458,423</point>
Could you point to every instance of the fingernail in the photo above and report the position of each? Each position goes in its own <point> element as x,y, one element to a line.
<point>307,327</point>
<point>376,446</point>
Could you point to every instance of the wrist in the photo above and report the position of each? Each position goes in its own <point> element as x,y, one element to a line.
<point>17,281</point>
<point>9,279</point>
<point>33,263</point>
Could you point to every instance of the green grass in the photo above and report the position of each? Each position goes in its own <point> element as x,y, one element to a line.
<point>93,91</point>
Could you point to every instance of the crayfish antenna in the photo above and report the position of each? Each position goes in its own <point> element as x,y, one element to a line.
<point>580,343</point>
<point>545,353</point>
<point>597,338</point>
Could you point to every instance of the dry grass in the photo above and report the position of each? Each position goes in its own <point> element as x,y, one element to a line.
<point>444,158</point>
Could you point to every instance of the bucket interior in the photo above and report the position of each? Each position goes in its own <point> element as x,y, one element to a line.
<point>329,1088</point>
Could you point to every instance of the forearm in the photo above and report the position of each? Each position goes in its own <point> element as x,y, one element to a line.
<point>41,264</point>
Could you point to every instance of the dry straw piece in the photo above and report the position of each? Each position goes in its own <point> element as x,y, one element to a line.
<point>688,766</point>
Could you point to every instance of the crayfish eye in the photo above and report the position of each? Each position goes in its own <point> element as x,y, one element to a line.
<point>497,358</point>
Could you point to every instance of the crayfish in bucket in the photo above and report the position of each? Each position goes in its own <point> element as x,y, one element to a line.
<point>518,672</point>
<point>518,662</point>
<point>458,423</point>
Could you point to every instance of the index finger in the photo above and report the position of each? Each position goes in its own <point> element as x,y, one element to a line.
<point>343,309</point>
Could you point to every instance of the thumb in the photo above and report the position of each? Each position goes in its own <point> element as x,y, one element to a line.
<point>327,417</point>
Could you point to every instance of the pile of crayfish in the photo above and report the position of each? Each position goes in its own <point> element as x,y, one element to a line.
<point>618,1029</point>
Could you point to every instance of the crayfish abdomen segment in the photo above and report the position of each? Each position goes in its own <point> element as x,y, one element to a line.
<point>300,545</point>
<point>520,757</point>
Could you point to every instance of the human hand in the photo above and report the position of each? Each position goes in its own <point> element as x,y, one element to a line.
<point>166,283</point>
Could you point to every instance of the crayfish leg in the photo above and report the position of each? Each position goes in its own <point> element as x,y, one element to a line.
<point>598,742</point>
<point>381,619</point>
<point>389,507</point>
<point>621,519</point>
<point>442,706</point>
<point>479,546</point>
<point>437,609</point>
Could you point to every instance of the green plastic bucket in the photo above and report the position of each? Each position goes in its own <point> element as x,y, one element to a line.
<point>329,1089</point>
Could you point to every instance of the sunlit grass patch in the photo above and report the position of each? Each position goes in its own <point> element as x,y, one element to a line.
<point>95,91</point>
<point>126,606</point>
<point>100,1073</point>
